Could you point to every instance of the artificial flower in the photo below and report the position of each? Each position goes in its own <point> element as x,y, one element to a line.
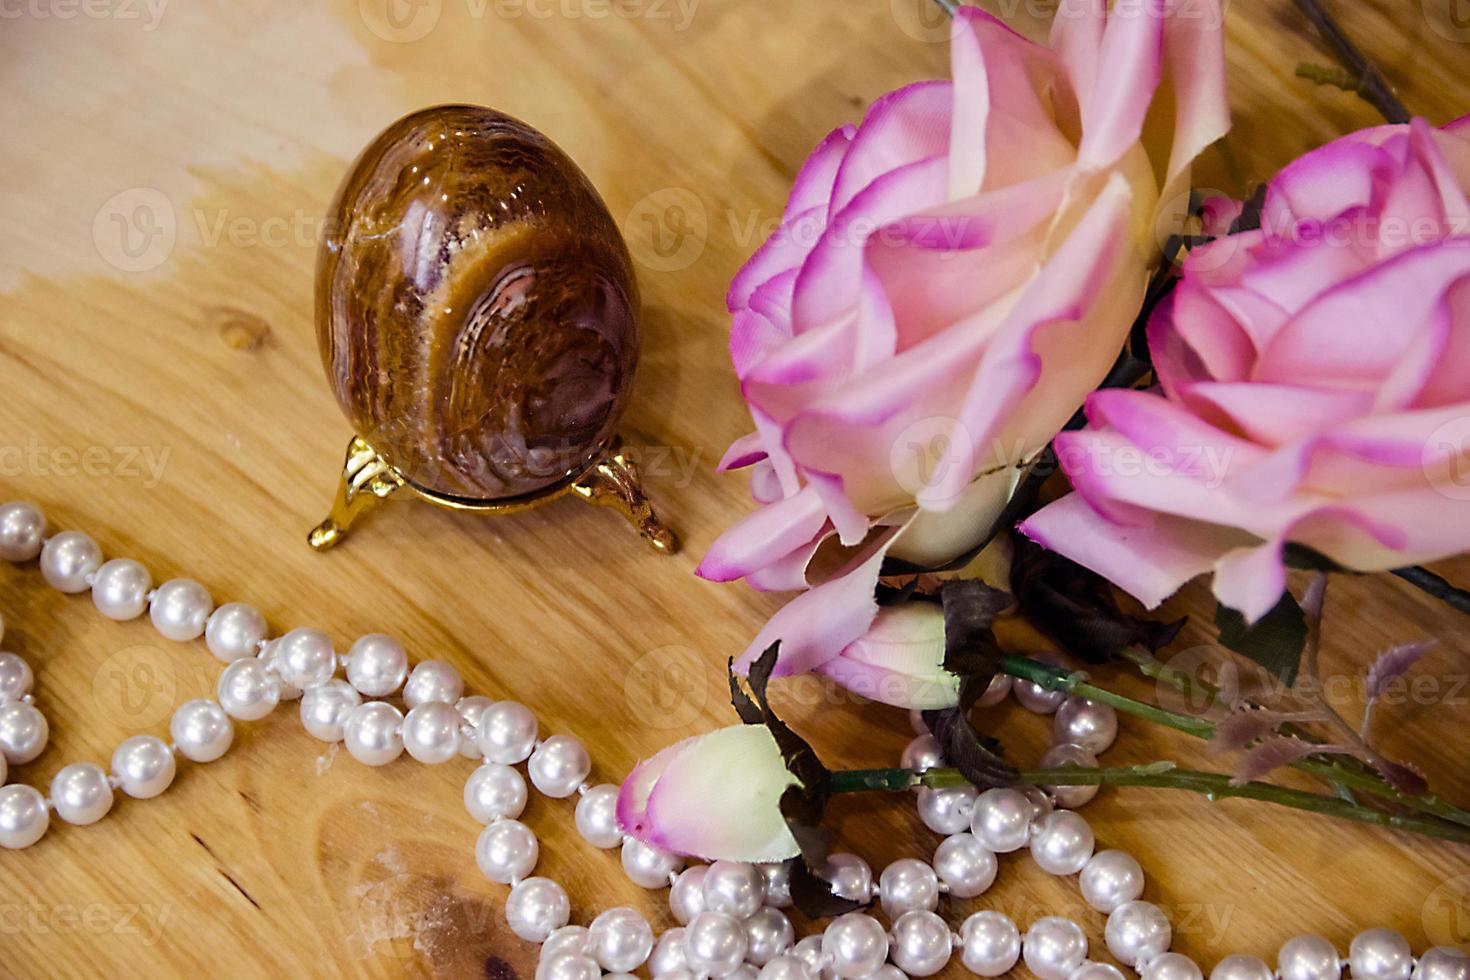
<point>714,796</point>
<point>899,660</point>
<point>1315,388</point>
<point>949,280</point>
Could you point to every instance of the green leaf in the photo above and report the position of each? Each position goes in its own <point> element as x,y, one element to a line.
<point>1275,641</point>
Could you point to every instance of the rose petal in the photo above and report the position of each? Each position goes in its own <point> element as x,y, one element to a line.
<point>815,626</point>
<point>1149,562</point>
<point>764,536</point>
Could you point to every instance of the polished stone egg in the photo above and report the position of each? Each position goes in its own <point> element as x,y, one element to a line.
<point>476,307</point>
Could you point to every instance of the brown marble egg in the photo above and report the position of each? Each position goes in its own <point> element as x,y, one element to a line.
<point>475,306</point>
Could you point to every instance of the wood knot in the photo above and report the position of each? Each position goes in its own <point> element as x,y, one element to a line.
<point>240,330</point>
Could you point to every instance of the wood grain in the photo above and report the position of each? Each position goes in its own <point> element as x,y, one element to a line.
<point>178,413</point>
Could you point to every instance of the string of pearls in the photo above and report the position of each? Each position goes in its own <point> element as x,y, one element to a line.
<point>731,923</point>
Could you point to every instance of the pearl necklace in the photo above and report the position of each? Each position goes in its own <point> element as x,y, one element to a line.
<point>732,923</point>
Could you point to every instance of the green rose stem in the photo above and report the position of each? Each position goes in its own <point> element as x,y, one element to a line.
<point>1058,679</point>
<point>1213,785</point>
<point>1371,86</point>
<point>1425,580</point>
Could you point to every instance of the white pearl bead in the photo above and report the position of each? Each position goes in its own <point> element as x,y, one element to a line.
<point>887,972</point>
<point>686,894</point>
<point>714,944</point>
<point>68,561</point>
<point>23,732</point>
<point>376,665</point>
<point>247,691</point>
<point>1137,932</point>
<point>120,589</point>
<point>1035,698</point>
<point>648,866</point>
<point>947,811</point>
<point>1096,971</point>
<point>1241,967</point>
<point>144,766</point>
<point>568,966</point>
<point>966,866</point>
<point>1085,723</point>
<point>1040,801</point>
<point>778,884</point>
<point>1443,963</point>
<point>202,730</point>
<point>23,816</point>
<point>788,968</point>
<point>1054,947</point>
<point>1062,843</point>
<point>907,884</point>
<point>506,851</point>
<point>668,953</point>
<point>325,709</point>
<point>621,940</point>
<point>809,951</point>
<point>22,531</point>
<point>854,945</point>
<point>567,939</point>
<point>1002,820</point>
<point>304,658</point>
<point>1308,958</point>
<point>921,943</point>
<point>1058,756</point>
<point>1111,879</point>
<point>180,609</point>
<point>431,732</point>
<point>470,708</point>
<point>269,658</point>
<point>995,691</point>
<point>507,732</point>
<point>495,791</point>
<point>536,908</point>
<point>433,680</point>
<point>597,817</point>
<point>15,677</point>
<point>922,753</point>
<point>1380,954</point>
<point>81,793</point>
<point>734,888</point>
<point>849,876</point>
<point>558,766</point>
<point>235,631</point>
<point>1170,966</point>
<point>374,733</point>
<point>768,934</point>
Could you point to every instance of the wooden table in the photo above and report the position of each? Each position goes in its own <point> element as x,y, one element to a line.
<point>168,399</point>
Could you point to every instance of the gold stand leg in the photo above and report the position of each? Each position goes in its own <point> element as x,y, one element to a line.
<point>614,482</point>
<point>367,480</point>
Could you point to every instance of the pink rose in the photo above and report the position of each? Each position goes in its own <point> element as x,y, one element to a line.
<point>714,796</point>
<point>1316,388</point>
<point>949,281</point>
